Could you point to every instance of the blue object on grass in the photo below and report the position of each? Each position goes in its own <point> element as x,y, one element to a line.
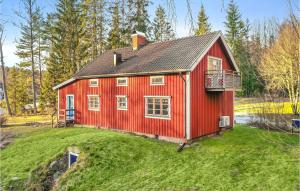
<point>296,123</point>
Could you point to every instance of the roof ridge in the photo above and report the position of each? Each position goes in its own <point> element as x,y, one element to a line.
<point>169,40</point>
<point>187,37</point>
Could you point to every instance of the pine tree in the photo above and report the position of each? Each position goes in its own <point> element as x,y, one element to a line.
<point>68,51</point>
<point>41,43</point>
<point>161,27</point>
<point>138,15</point>
<point>26,45</point>
<point>125,24</point>
<point>234,27</point>
<point>114,35</point>
<point>19,86</point>
<point>237,36</point>
<point>96,26</point>
<point>203,25</point>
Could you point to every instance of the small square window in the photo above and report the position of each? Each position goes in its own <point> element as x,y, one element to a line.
<point>93,82</point>
<point>214,64</point>
<point>157,80</point>
<point>122,102</point>
<point>122,81</point>
<point>93,102</point>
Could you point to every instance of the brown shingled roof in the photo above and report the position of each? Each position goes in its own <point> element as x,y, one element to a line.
<point>173,56</point>
<point>169,56</point>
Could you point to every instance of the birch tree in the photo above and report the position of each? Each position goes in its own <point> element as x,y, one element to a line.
<point>280,66</point>
<point>3,71</point>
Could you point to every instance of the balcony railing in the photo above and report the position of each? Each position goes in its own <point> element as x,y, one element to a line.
<point>221,80</point>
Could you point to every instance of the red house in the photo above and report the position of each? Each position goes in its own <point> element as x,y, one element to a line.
<point>176,90</point>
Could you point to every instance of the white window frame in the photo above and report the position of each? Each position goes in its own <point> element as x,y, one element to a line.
<point>216,58</point>
<point>123,78</point>
<point>154,115</point>
<point>94,85</point>
<point>93,109</point>
<point>122,96</point>
<point>157,84</point>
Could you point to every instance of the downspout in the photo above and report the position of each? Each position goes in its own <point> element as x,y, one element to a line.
<point>184,81</point>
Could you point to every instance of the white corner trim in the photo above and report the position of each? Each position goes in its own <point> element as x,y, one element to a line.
<point>188,106</point>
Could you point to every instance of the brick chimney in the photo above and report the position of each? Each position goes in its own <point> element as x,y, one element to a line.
<point>138,40</point>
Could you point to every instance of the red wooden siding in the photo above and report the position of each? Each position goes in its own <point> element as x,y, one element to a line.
<point>207,107</point>
<point>132,120</point>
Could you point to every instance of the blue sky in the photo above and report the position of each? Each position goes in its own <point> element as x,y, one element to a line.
<point>254,10</point>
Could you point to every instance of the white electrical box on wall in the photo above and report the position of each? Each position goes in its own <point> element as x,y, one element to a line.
<point>224,121</point>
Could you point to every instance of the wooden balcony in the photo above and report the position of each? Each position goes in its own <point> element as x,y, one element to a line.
<point>222,80</point>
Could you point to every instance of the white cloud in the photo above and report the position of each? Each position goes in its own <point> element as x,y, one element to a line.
<point>9,50</point>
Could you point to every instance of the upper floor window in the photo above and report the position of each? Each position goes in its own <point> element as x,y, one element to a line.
<point>122,81</point>
<point>94,102</point>
<point>122,102</point>
<point>157,80</point>
<point>214,64</point>
<point>93,82</point>
<point>157,107</point>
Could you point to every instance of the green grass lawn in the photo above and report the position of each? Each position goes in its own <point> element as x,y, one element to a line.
<point>242,159</point>
<point>251,105</point>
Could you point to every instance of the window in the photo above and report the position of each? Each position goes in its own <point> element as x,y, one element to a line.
<point>93,102</point>
<point>157,80</point>
<point>93,83</point>
<point>157,107</point>
<point>122,102</point>
<point>214,64</point>
<point>122,81</point>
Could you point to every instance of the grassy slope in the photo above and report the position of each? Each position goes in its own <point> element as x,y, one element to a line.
<point>242,159</point>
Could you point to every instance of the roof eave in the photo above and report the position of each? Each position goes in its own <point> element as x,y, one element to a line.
<point>133,74</point>
<point>118,75</point>
<point>64,83</point>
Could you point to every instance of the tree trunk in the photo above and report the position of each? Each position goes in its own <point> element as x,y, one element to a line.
<point>40,64</point>
<point>4,75</point>
<point>32,57</point>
